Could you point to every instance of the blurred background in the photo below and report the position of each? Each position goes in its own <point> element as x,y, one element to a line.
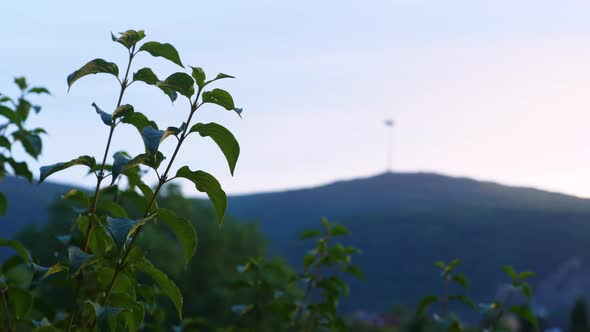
<point>432,129</point>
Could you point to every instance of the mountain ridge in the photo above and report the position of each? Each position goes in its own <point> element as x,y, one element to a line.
<point>403,223</point>
<point>410,173</point>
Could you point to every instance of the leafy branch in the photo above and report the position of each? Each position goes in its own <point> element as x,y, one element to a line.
<point>105,234</point>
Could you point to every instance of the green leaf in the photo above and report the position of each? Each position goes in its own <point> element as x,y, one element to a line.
<point>173,95</point>
<point>152,139</point>
<point>38,271</point>
<point>171,131</point>
<point>104,116</point>
<point>205,182</point>
<point>453,324</point>
<point>99,241</point>
<point>326,224</point>
<point>20,301</point>
<point>21,82</point>
<point>183,230</point>
<point>447,269</point>
<point>95,66</point>
<point>124,284</point>
<point>199,75</point>
<point>119,228</point>
<point>146,75</point>
<point>425,303</point>
<point>115,210</point>
<point>59,267</point>
<point>219,97</point>
<point>223,138</point>
<point>465,300</point>
<point>79,260</point>
<point>355,271</point>
<point>168,287</point>
<point>39,131</point>
<point>7,113</point>
<point>165,50</point>
<point>150,160</point>
<point>31,142</point>
<point>338,230</point>
<point>135,318</point>
<point>461,280</point>
<point>454,263</point>
<point>122,228</point>
<point>308,260</point>
<point>18,247</point>
<point>139,121</point>
<point>77,196</point>
<point>310,234</point>
<point>22,110</point>
<point>244,310</point>
<point>128,38</point>
<point>525,289</point>
<point>122,110</point>
<point>48,170</point>
<point>509,271</point>
<point>526,314</point>
<point>3,205</point>
<point>39,90</point>
<point>219,77</point>
<point>525,275</point>
<point>121,159</point>
<point>106,317</point>
<point>20,169</point>
<point>5,143</point>
<point>180,82</point>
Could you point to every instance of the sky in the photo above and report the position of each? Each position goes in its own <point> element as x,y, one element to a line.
<point>494,90</point>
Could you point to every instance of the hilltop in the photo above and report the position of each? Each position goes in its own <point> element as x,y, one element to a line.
<point>404,222</point>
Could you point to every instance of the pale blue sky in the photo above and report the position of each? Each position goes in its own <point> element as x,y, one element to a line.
<point>495,90</point>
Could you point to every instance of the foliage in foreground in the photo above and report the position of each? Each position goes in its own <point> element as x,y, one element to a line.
<point>204,282</point>
<point>102,262</point>
<point>104,266</point>
<point>229,285</point>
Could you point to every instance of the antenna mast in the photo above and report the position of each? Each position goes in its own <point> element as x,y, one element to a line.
<point>389,123</point>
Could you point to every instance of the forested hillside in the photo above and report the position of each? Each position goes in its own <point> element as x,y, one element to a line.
<point>405,222</point>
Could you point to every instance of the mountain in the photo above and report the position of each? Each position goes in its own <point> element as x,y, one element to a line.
<point>27,203</point>
<point>403,223</point>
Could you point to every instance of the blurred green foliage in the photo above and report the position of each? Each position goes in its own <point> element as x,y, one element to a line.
<point>205,282</point>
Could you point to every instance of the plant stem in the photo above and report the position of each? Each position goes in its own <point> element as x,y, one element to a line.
<point>257,305</point>
<point>5,304</point>
<point>121,264</point>
<point>100,177</point>
<point>149,206</point>
<point>313,276</point>
<point>445,298</point>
